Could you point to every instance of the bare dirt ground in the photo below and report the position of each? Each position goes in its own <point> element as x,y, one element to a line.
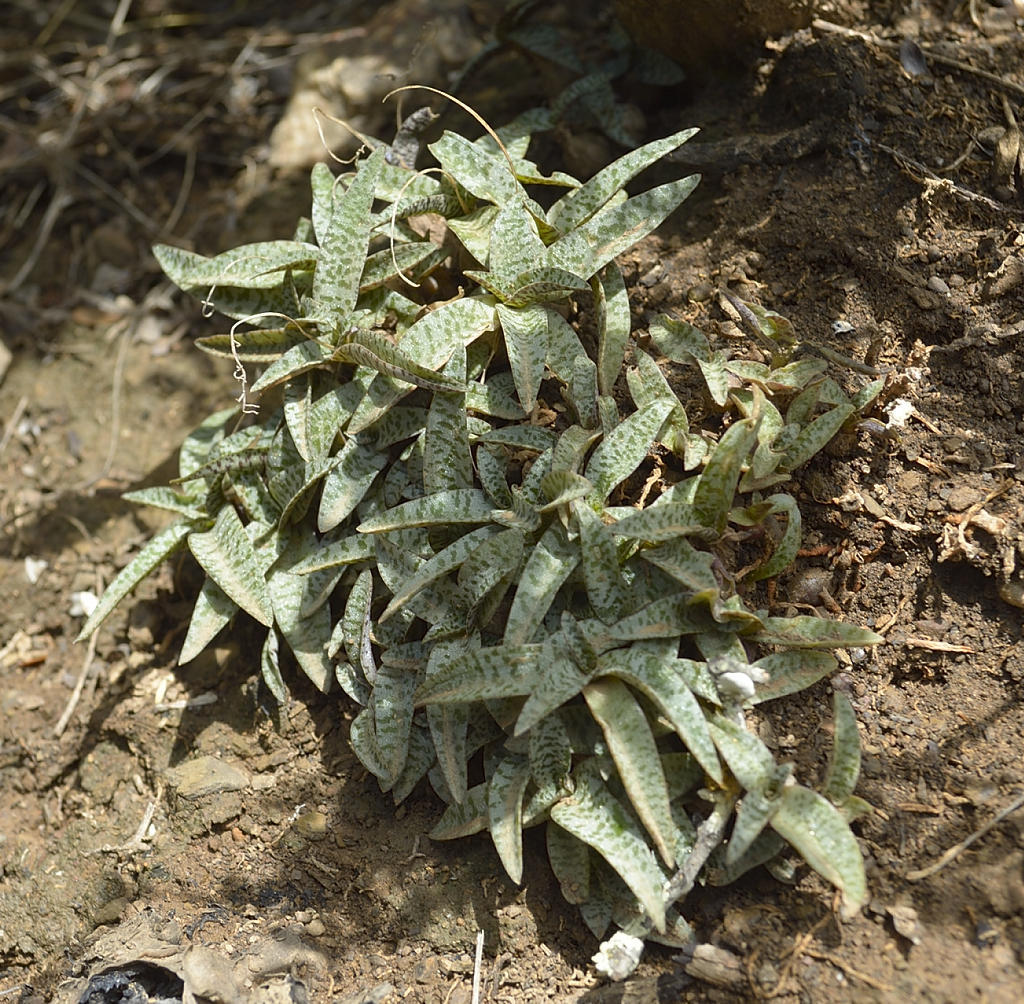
<point>179,809</point>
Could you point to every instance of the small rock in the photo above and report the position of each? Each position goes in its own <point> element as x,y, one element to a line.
<point>315,928</point>
<point>206,775</point>
<point>906,923</point>
<point>924,298</point>
<point>938,285</point>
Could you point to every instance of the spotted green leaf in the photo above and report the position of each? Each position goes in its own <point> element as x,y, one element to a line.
<point>844,760</point>
<point>668,689</point>
<point>791,671</point>
<point>249,266</point>
<point>465,818</point>
<point>392,705</point>
<point>748,758</point>
<point>505,812</point>
<point>550,563</point>
<point>592,814</point>
<point>367,348</point>
<point>755,810</point>
<point>525,331</point>
<point>580,204</point>
<point>786,548</point>
<point>447,463</point>
<point>562,681</point>
<point>606,589</point>
<point>632,747</point>
<point>466,505</point>
<point>347,551</point>
<point>822,836</point>
<point>307,636</point>
<point>474,230</point>
<point>270,667</point>
<point>570,861</point>
<point>717,487</point>
<point>212,611</point>
<point>625,448</point>
<point>615,228</point>
<point>614,324</point>
<point>813,632</point>
<point>160,547</point>
<point>448,725</point>
<point>299,359</point>
<point>485,175</point>
<point>256,345</point>
<point>494,672</point>
<point>815,437</point>
<point>345,242</point>
<point>226,554</point>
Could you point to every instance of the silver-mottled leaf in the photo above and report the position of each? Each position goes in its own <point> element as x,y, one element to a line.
<point>622,451</point>
<point>211,613</point>
<point>307,636</point>
<point>447,462</point>
<point>159,547</point>
<point>525,331</point>
<point>468,505</point>
<point>822,836</point>
<point>495,672</point>
<point>587,248</point>
<point>606,589</point>
<point>347,551</point>
<point>632,747</point>
<point>578,205</point>
<point>614,324</point>
<point>592,814</point>
<point>570,861</point>
<point>813,632</point>
<point>392,705</point>
<point>226,554</point>
<point>505,812</point>
<point>717,487</point>
<point>668,689</point>
<point>465,818</point>
<point>344,243</point>
<point>553,559</point>
<point>844,759</point>
<point>791,671</point>
<point>750,761</point>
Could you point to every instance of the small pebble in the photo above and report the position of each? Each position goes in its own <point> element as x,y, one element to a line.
<point>938,285</point>
<point>315,928</point>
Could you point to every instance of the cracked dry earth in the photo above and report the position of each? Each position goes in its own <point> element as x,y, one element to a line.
<point>182,822</point>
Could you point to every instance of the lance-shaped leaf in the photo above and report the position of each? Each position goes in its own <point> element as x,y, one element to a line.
<point>399,259</point>
<point>666,617</point>
<point>447,462</point>
<point>355,618</point>
<point>617,227</point>
<point>250,266</point>
<point>563,487</point>
<point>448,724</point>
<point>494,561</point>
<point>563,345</point>
<point>160,547</point>
<point>750,761</point>
<point>813,632</point>
<point>551,562</point>
<point>363,738</point>
<point>520,437</point>
<point>754,812</point>
<point>563,680</point>
<point>199,443</point>
<point>820,833</point>
<point>169,499</point>
<point>445,561</point>
<point>299,359</point>
<point>791,671</point>
<point>717,486</point>
<point>417,763</point>
<point>592,814</point>
<point>505,812</point>
<point>680,341</point>
<point>467,505</point>
<point>495,672</point>
<point>489,399</point>
<point>226,554</point>
<point>542,284</point>
<point>632,747</point>
<point>614,324</point>
<point>786,549</point>
<point>844,760</point>
<point>270,667</point>
<point>211,613</point>
<point>344,245</point>
<point>550,755</point>
<point>570,861</point>
<point>257,345</point>
<point>667,688</point>
<point>606,589</point>
<point>680,559</point>
<point>392,704</point>
<point>485,175</point>
<point>367,348</point>
<point>474,230</point>
<point>465,818</point>
<point>578,205</point>
<point>623,450</point>
<point>347,551</point>
<point>525,331</point>
<point>307,636</point>
<point>515,245</point>
<point>815,437</point>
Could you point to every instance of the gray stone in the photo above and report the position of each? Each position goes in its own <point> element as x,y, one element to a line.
<point>206,775</point>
